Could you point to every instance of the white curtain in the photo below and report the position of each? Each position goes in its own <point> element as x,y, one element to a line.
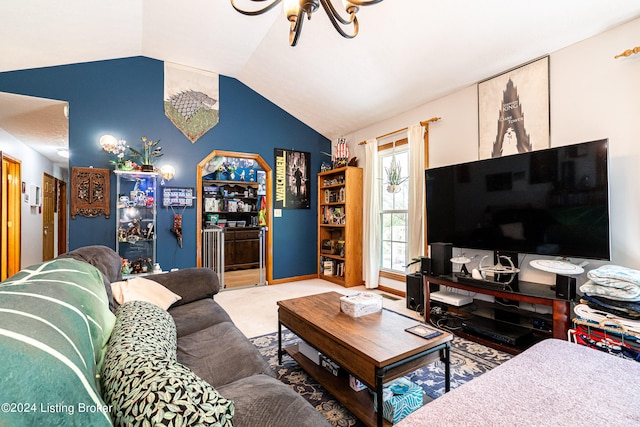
<point>371,216</point>
<point>416,191</point>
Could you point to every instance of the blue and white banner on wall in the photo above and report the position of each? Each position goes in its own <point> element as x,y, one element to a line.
<point>191,99</point>
<point>293,180</point>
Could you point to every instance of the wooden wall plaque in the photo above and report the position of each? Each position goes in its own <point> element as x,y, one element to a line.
<point>90,192</point>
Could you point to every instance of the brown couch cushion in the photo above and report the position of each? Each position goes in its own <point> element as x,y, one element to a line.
<point>197,315</point>
<point>221,354</point>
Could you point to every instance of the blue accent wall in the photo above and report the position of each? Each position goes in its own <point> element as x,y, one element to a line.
<point>124,97</point>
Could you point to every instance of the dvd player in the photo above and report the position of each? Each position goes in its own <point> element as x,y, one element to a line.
<point>451,298</point>
<point>503,332</point>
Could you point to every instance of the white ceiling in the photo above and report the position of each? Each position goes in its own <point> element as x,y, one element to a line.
<point>408,52</point>
<point>40,123</point>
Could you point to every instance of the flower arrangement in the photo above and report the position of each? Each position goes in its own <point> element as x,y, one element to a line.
<point>228,168</point>
<point>231,168</point>
<point>149,152</point>
<point>115,146</point>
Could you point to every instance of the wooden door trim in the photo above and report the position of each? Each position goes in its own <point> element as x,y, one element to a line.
<point>269,172</point>
<point>11,208</point>
<point>48,210</point>
<point>61,201</point>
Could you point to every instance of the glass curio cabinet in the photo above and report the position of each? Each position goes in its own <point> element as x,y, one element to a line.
<point>136,220</point>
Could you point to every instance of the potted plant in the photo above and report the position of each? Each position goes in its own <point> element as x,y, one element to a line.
<point>394,176</point>
<point>150,151</point>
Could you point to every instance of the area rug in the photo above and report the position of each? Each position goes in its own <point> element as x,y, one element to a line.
<point>468,360</point>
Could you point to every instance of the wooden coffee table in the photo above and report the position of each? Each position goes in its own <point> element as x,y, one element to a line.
<point>374,348</point>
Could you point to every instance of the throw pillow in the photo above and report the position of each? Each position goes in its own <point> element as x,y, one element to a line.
<point>141,289</point>
<point>143,391</point>
<point>145,385</point>
<point>143,327</point>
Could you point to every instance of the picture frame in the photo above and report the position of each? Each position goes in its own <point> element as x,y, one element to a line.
<point>513,111</point>
<point>178,197</point>
<point>292,179</point>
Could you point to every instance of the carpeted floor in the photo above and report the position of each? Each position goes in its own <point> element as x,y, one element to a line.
<point>468,360</point>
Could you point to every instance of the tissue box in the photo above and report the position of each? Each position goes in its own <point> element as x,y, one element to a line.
<point>356,384</point>
<point>400,397</point>
<point>361,304</point>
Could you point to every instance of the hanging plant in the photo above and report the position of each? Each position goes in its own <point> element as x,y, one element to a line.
<point>394,177</point>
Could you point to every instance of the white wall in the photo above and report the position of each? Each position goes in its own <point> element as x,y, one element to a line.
<point>593,96</point>
<point>33,165</point>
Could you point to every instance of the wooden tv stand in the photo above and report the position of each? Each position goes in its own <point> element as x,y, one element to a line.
<point>527,292</point>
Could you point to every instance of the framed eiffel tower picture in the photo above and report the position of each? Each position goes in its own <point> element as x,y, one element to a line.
<point>513,111</point>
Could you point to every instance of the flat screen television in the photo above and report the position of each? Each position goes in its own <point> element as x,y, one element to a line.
<point>547,202</point>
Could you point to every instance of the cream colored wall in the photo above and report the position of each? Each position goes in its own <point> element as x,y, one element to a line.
<point>32,166</point>
<point>593,96</point>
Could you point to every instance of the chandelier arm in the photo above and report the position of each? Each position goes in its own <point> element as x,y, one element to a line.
<point>337,20</point>
<point>364,2</point>
<point>296,28</point>
<point>258,11</point>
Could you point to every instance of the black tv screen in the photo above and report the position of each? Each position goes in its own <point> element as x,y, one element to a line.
<point>546,202</point>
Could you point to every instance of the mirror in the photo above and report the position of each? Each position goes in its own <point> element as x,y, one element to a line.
<point>233,218</point>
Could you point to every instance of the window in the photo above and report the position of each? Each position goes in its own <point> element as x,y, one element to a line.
<point>394,213</point>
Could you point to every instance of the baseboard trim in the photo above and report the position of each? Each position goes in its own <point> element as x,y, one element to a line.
<point>293,279</point>
<point>392,291</point>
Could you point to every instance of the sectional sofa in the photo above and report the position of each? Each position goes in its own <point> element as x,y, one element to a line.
<point>72,355</point>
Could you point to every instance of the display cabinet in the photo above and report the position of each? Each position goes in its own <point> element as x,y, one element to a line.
<point>340,226</point>
<point>230,203</point>
<point>136,220</point>
<point>233,206</point>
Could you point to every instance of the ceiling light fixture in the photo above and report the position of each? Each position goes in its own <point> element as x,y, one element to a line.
<point>63,152</point>
<point>296,10</point>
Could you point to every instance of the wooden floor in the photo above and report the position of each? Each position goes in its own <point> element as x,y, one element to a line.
<point>238,278</point>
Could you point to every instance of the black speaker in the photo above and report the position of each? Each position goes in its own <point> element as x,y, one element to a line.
<point>441,258</point>
<point>565,287</point>
<point>425,266</point>
<point>415,293</point>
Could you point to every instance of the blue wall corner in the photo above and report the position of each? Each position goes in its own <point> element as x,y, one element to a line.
<point>124,97</point>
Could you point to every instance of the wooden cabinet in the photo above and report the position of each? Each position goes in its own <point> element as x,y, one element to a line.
<point>242,248</point>
<point>340,226</point>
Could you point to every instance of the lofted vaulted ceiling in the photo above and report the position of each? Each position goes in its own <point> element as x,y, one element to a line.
<point>408,52</point>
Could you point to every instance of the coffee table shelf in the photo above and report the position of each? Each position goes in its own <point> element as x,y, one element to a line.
<point>374,348</point>
<point>360,403</point>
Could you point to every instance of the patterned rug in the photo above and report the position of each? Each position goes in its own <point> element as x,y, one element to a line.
<point>468,360</point>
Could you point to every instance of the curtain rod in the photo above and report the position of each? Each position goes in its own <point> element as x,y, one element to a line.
<point>424,123</point>
<point>628,52</point>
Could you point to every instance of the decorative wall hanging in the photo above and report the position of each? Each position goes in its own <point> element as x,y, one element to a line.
<point>191,99</point>
<point>177,196</point>
<point>293,184</point>
<point>90,192</point>
<point>513,111</point>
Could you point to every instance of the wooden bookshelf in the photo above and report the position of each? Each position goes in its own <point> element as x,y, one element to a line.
<point>340,226</point>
